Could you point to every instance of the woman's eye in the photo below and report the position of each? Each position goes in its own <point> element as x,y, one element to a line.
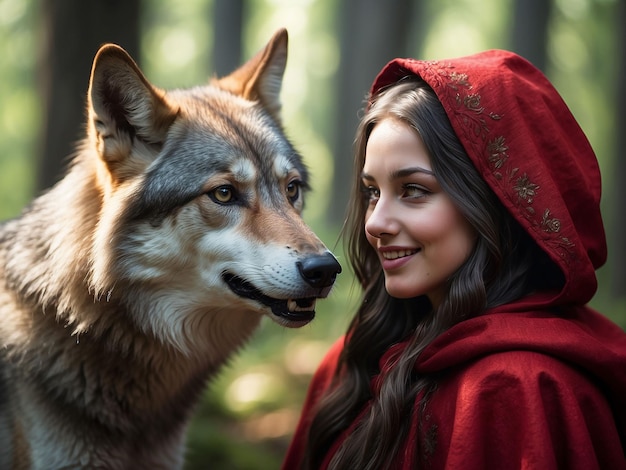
<point>415,191</point>
<point>371,193</point>
<point>222,194</point>
<point>293,191</point>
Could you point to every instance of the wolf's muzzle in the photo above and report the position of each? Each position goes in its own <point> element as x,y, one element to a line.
<point>319,271</point>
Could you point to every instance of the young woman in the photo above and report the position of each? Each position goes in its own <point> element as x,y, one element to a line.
<point>474,229</point>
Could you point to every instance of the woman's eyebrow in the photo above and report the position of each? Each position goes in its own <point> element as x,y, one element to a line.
<point>404,172</point>
<point>401,173</point>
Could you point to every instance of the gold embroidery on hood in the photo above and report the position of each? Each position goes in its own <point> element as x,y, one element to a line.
<point>458,79</point>
<point>497,154</point>
<point>526,189</point>
<point>550,224</point>
<point>521,190</point>
<point>472,102</point>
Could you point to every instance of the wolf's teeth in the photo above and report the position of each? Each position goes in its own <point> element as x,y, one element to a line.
<point>301,305</point>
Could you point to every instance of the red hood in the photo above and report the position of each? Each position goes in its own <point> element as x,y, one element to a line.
<point>527,145</point>
<point>579,336</point>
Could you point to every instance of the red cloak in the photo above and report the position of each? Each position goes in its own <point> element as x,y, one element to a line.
<point>539,383</point>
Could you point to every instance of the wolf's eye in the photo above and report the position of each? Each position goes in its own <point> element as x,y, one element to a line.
<point>222,194</point>
<point>293,191</point>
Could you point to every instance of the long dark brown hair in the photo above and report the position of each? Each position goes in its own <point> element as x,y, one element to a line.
<point>505,264</point>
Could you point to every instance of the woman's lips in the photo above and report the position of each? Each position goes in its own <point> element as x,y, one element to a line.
<point>393,258</point>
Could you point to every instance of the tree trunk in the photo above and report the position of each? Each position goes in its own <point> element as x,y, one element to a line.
<point>372,33</point>
<point>228,28</point>
<point>72,32</point>
<point>530,30</point>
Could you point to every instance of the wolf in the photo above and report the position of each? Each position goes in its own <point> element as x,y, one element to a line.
<point>126,286</point>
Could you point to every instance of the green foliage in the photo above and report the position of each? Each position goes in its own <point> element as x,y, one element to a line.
<point>19,107</point>
<point>177,41</point>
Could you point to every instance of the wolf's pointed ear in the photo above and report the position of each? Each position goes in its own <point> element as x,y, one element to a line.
<point>124,106</point>
<point>260,79</point>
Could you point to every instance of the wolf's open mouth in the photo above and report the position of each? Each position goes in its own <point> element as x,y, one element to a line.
<point>296,310</point>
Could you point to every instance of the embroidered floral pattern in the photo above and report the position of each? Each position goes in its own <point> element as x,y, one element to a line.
<point>458,79</point>
<point>550,224</point>
<point>472,102</point>
<point>526,189</point>
<point>430,441</point>
<point>522,188</point>
<point>428,429</point>
<point>497,154</point>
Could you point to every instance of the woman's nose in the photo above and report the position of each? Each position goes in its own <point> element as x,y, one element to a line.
<point>380,220</point>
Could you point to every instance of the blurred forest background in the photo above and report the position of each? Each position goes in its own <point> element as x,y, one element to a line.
<point>336,47</point>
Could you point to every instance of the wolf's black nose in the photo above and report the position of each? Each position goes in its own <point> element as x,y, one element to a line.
<point>319,270</point>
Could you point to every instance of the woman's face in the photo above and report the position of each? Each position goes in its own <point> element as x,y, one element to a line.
<point>420,236</point>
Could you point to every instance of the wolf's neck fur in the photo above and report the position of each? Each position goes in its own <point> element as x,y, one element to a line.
<point>94,361</point>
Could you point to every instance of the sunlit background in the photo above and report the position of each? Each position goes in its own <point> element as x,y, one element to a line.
<point>251,409</point>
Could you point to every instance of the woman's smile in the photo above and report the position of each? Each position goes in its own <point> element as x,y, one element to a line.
<point>395,258</point>
<point>395,254</point>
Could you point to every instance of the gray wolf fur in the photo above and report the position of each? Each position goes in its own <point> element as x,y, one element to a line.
<point>125,287</point>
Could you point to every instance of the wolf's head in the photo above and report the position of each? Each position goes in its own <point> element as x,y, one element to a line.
<point>202,199</point>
